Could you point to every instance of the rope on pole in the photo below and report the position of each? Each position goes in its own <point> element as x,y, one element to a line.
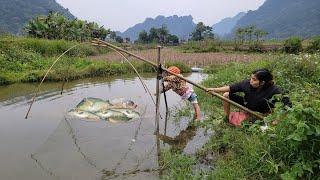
<point>38,89</point>
<point>136,71</point>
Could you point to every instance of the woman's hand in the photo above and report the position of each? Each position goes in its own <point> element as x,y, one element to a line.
<point>211,89</point>
<point>219,89</point>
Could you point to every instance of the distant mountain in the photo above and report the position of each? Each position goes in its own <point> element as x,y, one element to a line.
<point>284,18</point>
<point>226,25</point>
<point>179,26</point>
<point>14,14</point>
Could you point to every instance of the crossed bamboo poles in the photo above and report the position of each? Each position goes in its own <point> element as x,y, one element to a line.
<point>101,43</point>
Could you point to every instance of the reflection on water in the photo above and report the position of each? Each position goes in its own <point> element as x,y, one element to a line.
<point>19,92</point>
<point>49,146</point>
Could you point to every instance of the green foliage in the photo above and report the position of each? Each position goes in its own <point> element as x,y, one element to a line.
<point>246,35</point>
<point>27,60</point>
<point>207,45</point>
<point>288,150</point>
<point>15,14</point>
<point>57,26</point>
<point>158,35</point>
<point>292,45</point>
<point>178,166</point>
<point>49,47</point>
<point>201,32</point>
<point>314,45</point>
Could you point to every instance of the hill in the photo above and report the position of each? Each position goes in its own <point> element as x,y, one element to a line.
<point>284,18</point>
<point>14,14</point>
<point>226,25</point>
<point>179,26</point>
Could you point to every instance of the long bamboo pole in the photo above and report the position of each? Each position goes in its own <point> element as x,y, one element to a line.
<point>99,42</point>
<point>44,77</point>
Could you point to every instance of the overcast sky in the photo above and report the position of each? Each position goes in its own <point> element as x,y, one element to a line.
<point>119,15</point>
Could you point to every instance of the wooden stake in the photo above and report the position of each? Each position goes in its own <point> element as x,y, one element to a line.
<point>159,74</point>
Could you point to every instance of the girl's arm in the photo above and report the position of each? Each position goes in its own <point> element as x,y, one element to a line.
<point>220,89</point>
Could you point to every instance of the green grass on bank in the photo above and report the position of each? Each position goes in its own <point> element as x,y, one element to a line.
<point>28,59</point>
<point>49,48</point>
<point>289,150</point>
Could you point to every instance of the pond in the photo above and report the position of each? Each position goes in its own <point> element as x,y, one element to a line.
<point>48,145</point>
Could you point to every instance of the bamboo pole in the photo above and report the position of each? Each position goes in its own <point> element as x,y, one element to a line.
<point>159,75</point>
<point>44,77</point>
<point>98,42</point>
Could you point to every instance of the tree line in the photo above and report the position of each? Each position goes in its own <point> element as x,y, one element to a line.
<point>249,34</point>
<point>57,26</point>
<point>157,35</point>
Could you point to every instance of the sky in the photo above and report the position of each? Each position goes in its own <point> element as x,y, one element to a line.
<point>119,15</point>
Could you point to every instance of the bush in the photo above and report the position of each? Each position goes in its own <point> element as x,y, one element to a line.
<point>51,47</point>
<point>201,46</point>
<point>314,45</point>
<point>292,45</point>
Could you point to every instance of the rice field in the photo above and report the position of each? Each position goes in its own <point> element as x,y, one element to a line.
<point>191,59</point>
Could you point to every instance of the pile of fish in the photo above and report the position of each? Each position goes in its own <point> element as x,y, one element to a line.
<point>95,109</point>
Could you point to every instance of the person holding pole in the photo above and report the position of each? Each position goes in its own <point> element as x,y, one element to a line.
<point>258,91</point>
<point>180,87</point>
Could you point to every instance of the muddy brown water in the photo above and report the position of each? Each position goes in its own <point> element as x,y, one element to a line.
<point>51,145</point>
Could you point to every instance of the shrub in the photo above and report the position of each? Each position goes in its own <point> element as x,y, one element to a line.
<point>292,45</point>
<point>314,45</point>
<point>201,46</point>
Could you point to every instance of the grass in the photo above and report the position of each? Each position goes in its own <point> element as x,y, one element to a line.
<point>27,60</point>
<point>289,150</point>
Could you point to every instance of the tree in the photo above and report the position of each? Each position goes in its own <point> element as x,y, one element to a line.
<point>173,39</point>
<point>249,32</point>
<point>57,26</point>
<point>127,39</point>
<point>153,35</point>
<point>201,31</point>
<point>245,34</point>
<point>119,39</point>
<point>258,33</point>
<point>112,35</point>
<point>143,37</point>
<point>240,35</point>
<point>163,34</point>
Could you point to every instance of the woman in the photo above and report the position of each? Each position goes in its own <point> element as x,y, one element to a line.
<point>258,90</point>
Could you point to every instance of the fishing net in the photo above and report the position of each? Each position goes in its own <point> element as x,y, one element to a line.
<point>80,149</point>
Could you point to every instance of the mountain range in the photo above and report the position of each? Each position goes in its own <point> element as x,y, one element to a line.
<point>14,14</point>
<point>180,26</point>
<point>226,25</point>
<point>280,18</point>
<point>284,18</point>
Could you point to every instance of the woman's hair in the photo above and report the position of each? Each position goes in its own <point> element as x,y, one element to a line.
<point>264,75</point>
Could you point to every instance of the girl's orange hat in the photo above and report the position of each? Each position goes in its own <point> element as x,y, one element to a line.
<point>174,69</point>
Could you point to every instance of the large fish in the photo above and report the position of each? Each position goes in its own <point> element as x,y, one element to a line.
<point>118,114</point>
<point>84,115</point>
<point>122,103</point>
<point>93,105</point>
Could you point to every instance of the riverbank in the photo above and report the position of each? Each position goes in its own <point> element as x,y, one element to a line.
<point>289,150</point>
<point>27,60</point>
